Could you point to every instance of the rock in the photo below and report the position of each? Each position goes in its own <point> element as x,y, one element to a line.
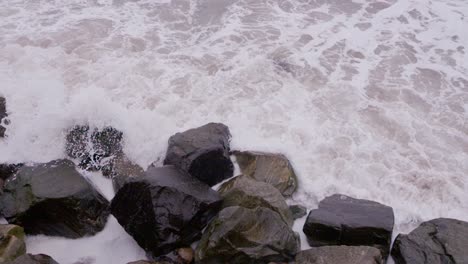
<point>297,211</point>
<point>165,209</point>
<point>122,169</point>
<point>95,148</point>
<point>11,242</point>
<point>53,199</point>
<point>3,115</point>
<point>438,241</point>
<point>202,152</point>
<point>151,262</point>
<point>185,255</point>
<point>249,193</point>
<point>268,167</point>
<point>34,259</point>
<point>342,220</point>
<point>241,235</point>
<point>6,171</point>
<point>340,254</point>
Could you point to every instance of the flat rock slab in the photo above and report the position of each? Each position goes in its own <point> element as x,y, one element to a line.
<point>249,193</point>
<point>342,220</point>
<point>241,235</point>
<point>11,242</point>
<point>34,259</point>
<point>53,199</point>
<point>268,167</point>
<point>165,209</point>
<point>340,255</point>
<point>439,241</point>
<point>203,152</point>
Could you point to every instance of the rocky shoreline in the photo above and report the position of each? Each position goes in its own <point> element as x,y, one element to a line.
<point>175,215</point>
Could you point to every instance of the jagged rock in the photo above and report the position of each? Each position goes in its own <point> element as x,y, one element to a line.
<point>122,169</point>
<point>268,167</point>
<point>165,209</point>
<point>3,114</point>
<point>203,152</point>
<point>249,193</point>
<point>53,199</point>
<point>297,211</point>
<point>241,235</point>
<point>340,255</point>
<point>95,148</point>
<point>439,241</point>
<point>11,242</point>
<point>342,220</point>
<point>34,259</point>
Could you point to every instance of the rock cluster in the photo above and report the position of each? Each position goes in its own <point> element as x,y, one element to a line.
<point>166,209</point>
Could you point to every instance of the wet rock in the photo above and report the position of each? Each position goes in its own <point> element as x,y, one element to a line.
<point>185,255</point>
<point>249,193</point>
<point>203,152</point>
<point>438,241</point>
<point>34,259</point>
<point>6,171</point>
<point>122,169</point>
<point>53,199</point>
<point>95,148</point>
<point>3,115</point>
<point>342,220</point>
<point>241,235</point>
<point>11,242</point>
<point>165,209</point>
<point>268,167</point>
<point>340,254</point>
<point>297,211</point>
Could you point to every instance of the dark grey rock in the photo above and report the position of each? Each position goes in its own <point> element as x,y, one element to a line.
<point>249,193</point>
<point>241,235</point>
<point>439,241</point>
<point>165,209</point>
<point>342,220</point>
<point>268,167</point>
<point>11,242</point>
<point>121,170</point>
<point>203,152</point>
<point>3,115</point>
<point>340,255</point>
<point>94,148</point>
<point>53,199</point>
<point>34,259</point>
<point>297,211</point>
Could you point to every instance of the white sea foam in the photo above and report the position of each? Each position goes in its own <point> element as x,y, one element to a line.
<point>367,98</point>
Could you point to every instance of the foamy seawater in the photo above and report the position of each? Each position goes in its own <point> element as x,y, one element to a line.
<point>366,98</point>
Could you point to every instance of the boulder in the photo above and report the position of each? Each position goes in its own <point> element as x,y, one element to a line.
<point>202,152</point>
<point>34,259</point>
<point>94,148</point>
<point>438,241</point>
<point>165,209</point>
<point>340,254</point>
<point>297,211</point>
<point>268,167</point>
<point>11,242</point>
<point>242,235</point>
<point>3,115</point>
<point>249,193</point>
<point>53,199</point>
<point>6,171</point>
<point>342,220</point>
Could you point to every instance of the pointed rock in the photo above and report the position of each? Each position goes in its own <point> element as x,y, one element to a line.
<point>249,193</point>
<point>241,235</point>
<point>165,209</point>
<point>203,152</point>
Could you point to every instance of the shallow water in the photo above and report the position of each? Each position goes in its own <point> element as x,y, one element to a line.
<point>366,98</point>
